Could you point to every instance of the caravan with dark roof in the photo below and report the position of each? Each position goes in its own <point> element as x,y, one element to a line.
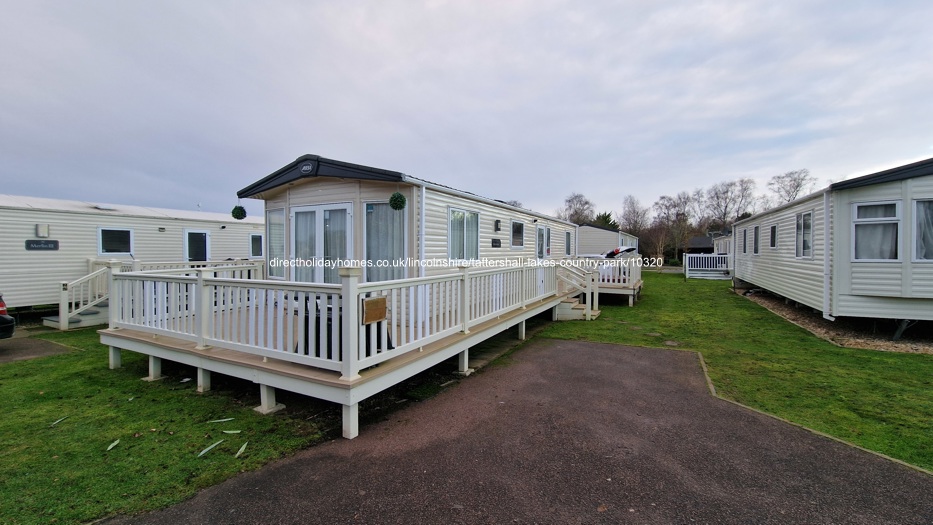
<point>860,248</point>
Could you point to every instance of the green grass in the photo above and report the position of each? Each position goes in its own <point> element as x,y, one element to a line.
<point>65,474</point>
<point>879,400</point>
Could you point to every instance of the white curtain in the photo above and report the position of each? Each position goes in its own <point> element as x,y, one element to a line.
<point>385,241</point>
<point>305,237</point>
<point>876,240</point>
<point>471,236</point>
<point>335,243</point>
<point>275,222</point>
<point>924,230</point>
<point>455,249</point>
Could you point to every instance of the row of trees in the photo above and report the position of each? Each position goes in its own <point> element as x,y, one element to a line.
<point>665,227</point>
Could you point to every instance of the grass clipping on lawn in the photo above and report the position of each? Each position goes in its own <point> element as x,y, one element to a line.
<point>81,442</point>
<point>878,400</point>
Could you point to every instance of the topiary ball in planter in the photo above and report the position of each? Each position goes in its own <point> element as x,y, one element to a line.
<point>397,201</point>
<point>239,213</point>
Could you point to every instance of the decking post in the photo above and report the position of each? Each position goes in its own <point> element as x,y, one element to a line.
<point>204,303</point>
<point>267,404</point>
<point>116,299</point>
<point>521,284</point>
<point>351,420</point>
<point>116,360</point>
<point>589,297</point>
<point>463,363</point>
<point>204,380</point>
<point>63,307</point>
<point>155,369</point>
<point>465,298</point>
<point>596,289</point>
<point>521,331</point>
<point>350,321</point>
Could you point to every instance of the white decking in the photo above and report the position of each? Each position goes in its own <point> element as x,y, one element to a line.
<point>708,266</point>
<point>311,338</point>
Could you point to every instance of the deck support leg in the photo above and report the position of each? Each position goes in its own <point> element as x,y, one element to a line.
<point>351,420</point>
<point>631,300</point>
<point>267,404</point>
<point>116,360</point>
<point>521,331</point>
<point>204,380</point>
<point>155,369</point>
<point>554,314</point>
<point>463,363</point>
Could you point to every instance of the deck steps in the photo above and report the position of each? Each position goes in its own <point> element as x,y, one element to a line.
<point>572,309</point>
<point>96,316</point>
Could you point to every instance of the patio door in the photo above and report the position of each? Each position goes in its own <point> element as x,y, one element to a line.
<point>197,245</point>
<point>321,236</point>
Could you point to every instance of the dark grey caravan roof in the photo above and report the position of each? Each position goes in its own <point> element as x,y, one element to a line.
<point>308,166</point>
<point>908,171</point>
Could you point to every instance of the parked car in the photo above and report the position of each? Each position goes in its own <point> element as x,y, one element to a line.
<point>7,323</point>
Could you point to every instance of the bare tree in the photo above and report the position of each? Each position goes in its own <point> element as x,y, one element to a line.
<point>577,209</point>
<point>791,185</point>
<point>673,214</point>
<point>634,217</point>
<point>727,200</point>
<point>517,204</point>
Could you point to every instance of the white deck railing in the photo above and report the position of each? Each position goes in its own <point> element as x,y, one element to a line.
<point>707,266</point>
<point>310,323</point>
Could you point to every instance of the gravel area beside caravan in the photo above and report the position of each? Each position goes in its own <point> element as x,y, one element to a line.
<point>852,333</point>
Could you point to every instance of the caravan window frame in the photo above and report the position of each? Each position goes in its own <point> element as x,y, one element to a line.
<point>567,243</point>
<point>916,232</point>
<point>262,246</point>
<point>278,269</point>
<point>799,233</point>
<point>896,220</point>
<point>450,212</point>
<point>520,238</point>
<point>772,236</point>
<point>100,241</point>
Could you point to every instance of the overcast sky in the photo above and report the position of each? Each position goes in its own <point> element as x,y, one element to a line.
<point>173,104</point>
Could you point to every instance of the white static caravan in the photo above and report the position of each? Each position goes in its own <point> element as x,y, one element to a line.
<point>872,258</point>
<point>318,208</point>
<point>596,240</point>
<point>47,241</point>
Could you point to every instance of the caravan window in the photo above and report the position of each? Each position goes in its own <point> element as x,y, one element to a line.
<point>255,246</point>
<point>275,232</point>
<point>757,241</point>
<point>566,243</point>
<point>773,236</point>
<point>464,235</point>
<point>804,235</point>
<point>744,241</point>
<point>115,242</point>
<point>924,231</point>
<point>518,234</point>
<point>875,228</point>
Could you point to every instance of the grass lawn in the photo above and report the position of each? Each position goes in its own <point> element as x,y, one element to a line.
<point>64,473</point>
<point>879,400</point>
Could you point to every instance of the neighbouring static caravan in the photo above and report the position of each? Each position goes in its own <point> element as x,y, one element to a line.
<point>872,258</point>
<point>594,240</point>
<point>324,209</point>
<point>47,241</point>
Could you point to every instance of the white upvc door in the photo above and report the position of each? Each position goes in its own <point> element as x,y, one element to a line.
<point>322,235</point>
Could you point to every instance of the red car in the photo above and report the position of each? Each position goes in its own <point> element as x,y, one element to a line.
<point>7,323</point>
